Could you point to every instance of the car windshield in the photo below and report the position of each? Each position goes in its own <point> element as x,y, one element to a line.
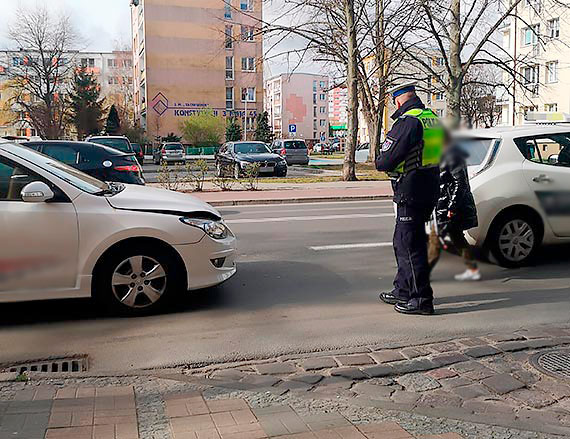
<point>114,142</point>
<point>250,148</point>
<point>295,144</point>
<point>71,175</point>
<point>476,148</point>
<point>173,146</point>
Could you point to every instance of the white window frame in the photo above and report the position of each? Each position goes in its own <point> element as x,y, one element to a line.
<point>248,94</point>
<point>231,107</point>
<point>229,37</point>
<point>552,72</point>
<point>551,108</point>
<point>322,110</point>
<point>249,5</point>
<point>554,28</point>
<point>231,70</point>
<point>228,9</point>
<point>248,64</point>
<point>247,33</point>
<point>530,34</point>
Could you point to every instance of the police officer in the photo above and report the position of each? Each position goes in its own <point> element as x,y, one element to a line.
<point>410,155</point>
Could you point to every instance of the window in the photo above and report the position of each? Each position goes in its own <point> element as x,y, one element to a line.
<point>314,85</point>
<point>64,154</point>
<point>13,178</point>
<point>247,33</point>
<point>110,80</point>
<point>552,72</point>
<point>322,110</point>
<point>229,67</point>
<point>229,98</point>
<point>322,96</point>
<point>248,94</point>
<point>551,108</point>
<point>439,112</point>
<point>555,149</point>
<point>439,96</point>
<point>227,9</point>
<point>112,63</point>
<point>229,43</point>
<point>534,4</point>
<point>314,124</point>
<point>248,64</point>
<point>554,28</point>
<point>87,62</point>
<point>246,5</point>
<point>314,98</point>
<point>323,122</point>
<point>439,61</point>
<point>530,74</point>
<point>322,84</point>
<point>16,61</point>
<point>314,111</point>
<point>250,125</point>
<point>531,34</point>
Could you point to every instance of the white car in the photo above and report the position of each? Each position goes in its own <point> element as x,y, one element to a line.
<point>65,234</point>
<point>520,178</point>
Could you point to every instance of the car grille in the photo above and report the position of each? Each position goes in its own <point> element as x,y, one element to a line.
<point>267,164</point>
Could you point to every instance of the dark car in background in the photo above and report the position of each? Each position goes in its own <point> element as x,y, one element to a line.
<point>99,161</point>
<point>118,142</point>
<point>139,154</point>
<point>234,158</point>
<point>293,150</point>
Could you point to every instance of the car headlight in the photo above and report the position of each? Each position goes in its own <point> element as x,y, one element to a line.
<point>214,229</point>
<point>244,164</point>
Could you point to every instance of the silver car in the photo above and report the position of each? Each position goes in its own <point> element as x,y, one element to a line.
<point>171,152</point>
<point>293,150</point>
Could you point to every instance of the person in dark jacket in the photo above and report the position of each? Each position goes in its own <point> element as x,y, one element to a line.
<point>455,211</point>
<point>410,155</point>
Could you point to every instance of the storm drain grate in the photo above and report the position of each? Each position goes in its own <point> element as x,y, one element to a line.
<point>53,365</point>
<point>554,363</point>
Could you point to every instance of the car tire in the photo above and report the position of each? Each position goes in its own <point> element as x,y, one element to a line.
<point>281,174</point>
<point>122,285</point>
<point>514,239</point>
<point>237,171</point>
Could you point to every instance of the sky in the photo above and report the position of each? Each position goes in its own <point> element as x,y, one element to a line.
<point>101,26</point>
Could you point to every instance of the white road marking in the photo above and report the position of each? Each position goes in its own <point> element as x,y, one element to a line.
<point>314,203</point>
<point>351,246</point>
<point>307,218</point>
<point>232,212</point>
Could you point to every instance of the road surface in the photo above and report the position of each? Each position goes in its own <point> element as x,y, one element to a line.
<point>308,279</point>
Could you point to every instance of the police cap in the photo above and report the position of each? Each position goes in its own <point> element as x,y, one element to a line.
<point>402,88</point>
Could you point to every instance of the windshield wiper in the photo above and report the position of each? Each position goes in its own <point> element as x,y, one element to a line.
<point>112,188</point>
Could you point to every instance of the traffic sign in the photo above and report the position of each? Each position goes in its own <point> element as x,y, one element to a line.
<point>292,128</point>
<point>323,138</point>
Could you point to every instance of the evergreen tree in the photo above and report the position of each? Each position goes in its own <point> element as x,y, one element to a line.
<point>263,131</point>
<point>234,131</point>
<point>86,106</point>
<point>171,137</point>
<point>113,124</point>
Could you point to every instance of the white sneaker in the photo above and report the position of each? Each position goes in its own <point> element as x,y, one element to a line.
<point>469,275</point>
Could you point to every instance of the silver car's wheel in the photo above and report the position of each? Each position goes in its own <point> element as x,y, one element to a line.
<point>139,281</point>
<point>516,240</point>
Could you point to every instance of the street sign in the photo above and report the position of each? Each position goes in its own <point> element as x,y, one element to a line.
<point>292,128</point>
<point>323,138</point>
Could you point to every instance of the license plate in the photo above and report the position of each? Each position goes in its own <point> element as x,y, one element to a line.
<point>266,169</point>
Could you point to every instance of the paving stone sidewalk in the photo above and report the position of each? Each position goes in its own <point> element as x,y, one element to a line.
<point>488,379</point>
<point>111,412</point>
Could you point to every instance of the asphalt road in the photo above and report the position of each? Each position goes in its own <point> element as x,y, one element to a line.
<point>295,293</point>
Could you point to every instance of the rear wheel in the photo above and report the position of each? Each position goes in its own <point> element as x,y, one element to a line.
<point>514,239</point>
<point>138,280</point>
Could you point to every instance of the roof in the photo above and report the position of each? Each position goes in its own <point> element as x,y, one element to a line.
<point>517,131</point>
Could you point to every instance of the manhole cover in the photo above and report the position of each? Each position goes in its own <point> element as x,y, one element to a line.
<point>52,365</point>
<point>554,363</point>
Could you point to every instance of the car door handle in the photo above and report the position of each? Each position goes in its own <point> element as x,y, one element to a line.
<point>542,178</point>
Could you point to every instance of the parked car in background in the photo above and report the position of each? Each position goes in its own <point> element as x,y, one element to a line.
<point>99,161</point>
<point>234,158</point>
<point>132,248</point>
<point>170,152</point>
<point>520,179</point>
<point>293,150</point>
<point>322,148</point>
<point>139,153</point>
<point>362,152</point>
<point>118,142</point>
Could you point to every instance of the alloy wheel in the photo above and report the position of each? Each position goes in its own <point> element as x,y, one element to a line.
<point>139,281</point>
<point>516,240</point>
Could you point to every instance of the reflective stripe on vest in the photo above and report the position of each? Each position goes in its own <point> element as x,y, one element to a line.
<point>426,154</point>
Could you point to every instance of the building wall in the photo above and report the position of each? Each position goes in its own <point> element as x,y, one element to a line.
<point>180,61</point>
<point>299,99</point>
<point>547,53</point>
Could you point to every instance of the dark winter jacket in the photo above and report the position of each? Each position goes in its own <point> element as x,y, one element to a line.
<point>418,188</point>
<point>455,193</point>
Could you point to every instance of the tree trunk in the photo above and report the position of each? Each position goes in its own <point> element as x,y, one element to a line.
<point>378,123</point>
<point>349,165</point>
<point>456,76</point>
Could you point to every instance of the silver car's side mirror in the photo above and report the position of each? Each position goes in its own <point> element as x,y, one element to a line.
<point>36,192</point>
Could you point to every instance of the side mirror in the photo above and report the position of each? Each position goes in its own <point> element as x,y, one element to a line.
<point>553,159</point>
<point>36,192</point>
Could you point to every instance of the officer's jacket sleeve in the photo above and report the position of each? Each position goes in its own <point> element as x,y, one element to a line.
<point>406,133</point>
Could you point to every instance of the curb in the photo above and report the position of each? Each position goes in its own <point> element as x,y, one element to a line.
<point>296,200</point>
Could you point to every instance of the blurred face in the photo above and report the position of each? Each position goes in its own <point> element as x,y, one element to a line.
<point>402,99</point>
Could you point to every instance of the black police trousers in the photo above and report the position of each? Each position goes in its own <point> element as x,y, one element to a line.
<point>412,282</point>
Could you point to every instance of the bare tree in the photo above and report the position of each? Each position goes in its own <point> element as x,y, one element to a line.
<point>479,97</point>
<point>40,79</point>
<point>449,37</point>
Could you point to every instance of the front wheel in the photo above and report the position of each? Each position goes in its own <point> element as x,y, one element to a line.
<point>137,280</point>
<point>514,240</point>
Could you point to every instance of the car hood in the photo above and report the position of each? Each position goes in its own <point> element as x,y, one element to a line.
<point>151,199</point>
<point>257,157</point>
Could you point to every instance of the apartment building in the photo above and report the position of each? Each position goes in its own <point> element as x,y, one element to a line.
<point>298,106</point>
<point>113,71</point>
<point>193,55</point>
<point>537,38</point>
